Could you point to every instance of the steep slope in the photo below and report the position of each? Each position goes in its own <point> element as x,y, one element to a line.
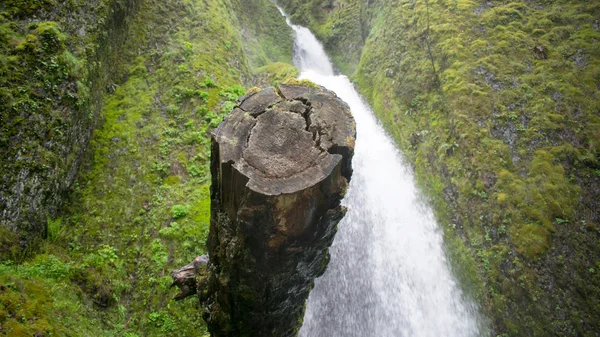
<point>497,106</point>
<point>139,207</point>
<point>55,60</point>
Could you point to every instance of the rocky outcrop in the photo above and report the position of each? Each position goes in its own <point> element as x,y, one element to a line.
<point>50,100</point>
<point>281,162</point>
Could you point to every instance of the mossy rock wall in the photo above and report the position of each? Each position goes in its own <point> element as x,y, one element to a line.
<point>139,205</point>
<point>496,105</point>
<point>56,59</point>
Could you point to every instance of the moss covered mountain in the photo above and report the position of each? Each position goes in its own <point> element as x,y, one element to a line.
<point>497,106</point>
<point>106,107</point>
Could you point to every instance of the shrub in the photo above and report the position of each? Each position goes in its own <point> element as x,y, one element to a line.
<point>209,82</point>
<point>179,211</point>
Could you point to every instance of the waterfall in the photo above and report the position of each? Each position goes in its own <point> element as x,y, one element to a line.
<point>388,274</point>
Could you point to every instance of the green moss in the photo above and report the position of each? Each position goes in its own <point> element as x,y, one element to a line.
<point>16,310</point>
<point>9,241</point>
<point>531,240</point>
<point>274,73</point>
<point>306,83</point>
<point>23,8</point>
<point>172,180</point>
<point>140,206</point>
<point>38,297</point>
<point>495,107</point>
<point>47,109</point>
<point>265,36</point>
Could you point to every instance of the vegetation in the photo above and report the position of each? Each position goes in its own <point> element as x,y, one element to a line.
<point>496,105</point>
<point>343,26</point>
<point>140,204</point>
<point>47,105</point>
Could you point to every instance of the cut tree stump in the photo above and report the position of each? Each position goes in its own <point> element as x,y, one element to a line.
<point>280,165</point>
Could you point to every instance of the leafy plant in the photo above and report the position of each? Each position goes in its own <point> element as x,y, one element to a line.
<point>55,229</point>
<point>209,82</point>
<point>179,211</point>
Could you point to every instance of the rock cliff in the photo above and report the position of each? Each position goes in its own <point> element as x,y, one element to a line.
<point>54,68</point>
<point>495,104</point>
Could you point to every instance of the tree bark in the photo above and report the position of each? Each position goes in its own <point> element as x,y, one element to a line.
<point>280,165</point>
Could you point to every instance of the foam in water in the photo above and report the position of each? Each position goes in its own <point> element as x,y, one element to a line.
<point>388,274</point>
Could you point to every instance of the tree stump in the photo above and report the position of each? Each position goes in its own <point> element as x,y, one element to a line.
<point>280,165</point>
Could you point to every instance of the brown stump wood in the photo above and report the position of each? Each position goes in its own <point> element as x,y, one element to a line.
<point>280,164</point>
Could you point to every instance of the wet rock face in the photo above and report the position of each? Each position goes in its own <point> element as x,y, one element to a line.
<point>42,148</point>
<point>281,162</point>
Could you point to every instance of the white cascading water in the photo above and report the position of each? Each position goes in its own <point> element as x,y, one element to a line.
<point>388,275</point>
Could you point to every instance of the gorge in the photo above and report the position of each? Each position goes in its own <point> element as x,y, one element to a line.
<point>106,112</point>
<point>388,275</point>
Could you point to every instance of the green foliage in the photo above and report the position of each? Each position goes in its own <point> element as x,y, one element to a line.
<point>266,38</point>
<point>179,211</point>
<point>105,256</point>
<point>209,83</point>
<point>275,73</point>
<point>196,171</point>
<point>55,229</point>
<point>233,93</point>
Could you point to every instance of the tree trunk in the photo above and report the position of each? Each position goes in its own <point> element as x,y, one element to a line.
<point>280,165</point>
